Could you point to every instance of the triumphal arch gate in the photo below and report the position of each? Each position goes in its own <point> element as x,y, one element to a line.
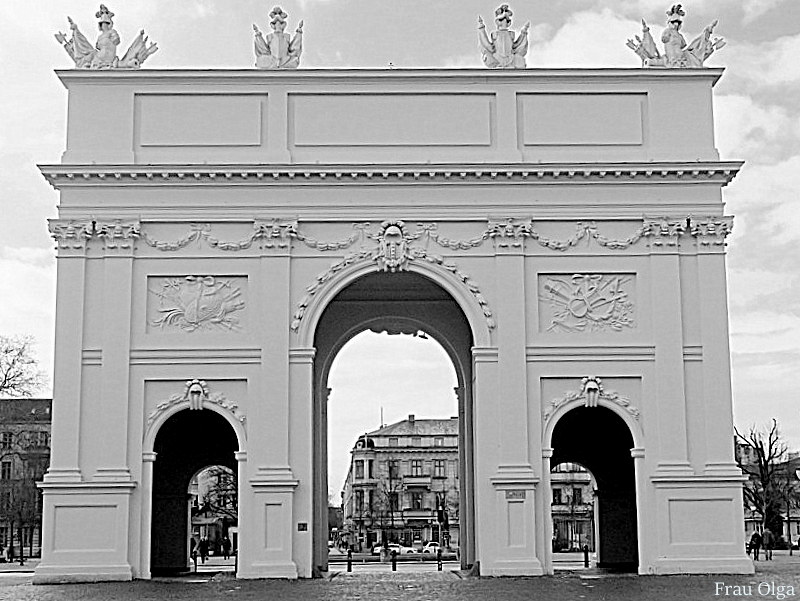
<point>221,235</point>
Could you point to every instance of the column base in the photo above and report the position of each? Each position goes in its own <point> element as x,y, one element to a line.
<point>283,570</point>
<point>700,565</point>
<point>512,567</point>
<point>66,574</point>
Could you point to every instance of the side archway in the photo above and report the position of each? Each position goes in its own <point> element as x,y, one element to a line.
<point>602,438</point>
<point>183,442</point>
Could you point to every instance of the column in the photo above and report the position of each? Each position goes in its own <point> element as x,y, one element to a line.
<point>664,240</point>
<point>146,492</point>
<point>70,295</point>
<point>547,503</point>
<point>644,529</point>
<point>512,391</point>
<point>709,236</point>
<point>118,241</point>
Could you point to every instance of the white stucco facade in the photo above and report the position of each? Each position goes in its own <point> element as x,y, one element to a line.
<point>209,218</point>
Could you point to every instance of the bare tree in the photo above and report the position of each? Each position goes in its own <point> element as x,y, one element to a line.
<point>20,375</point>
<point>763,461</point>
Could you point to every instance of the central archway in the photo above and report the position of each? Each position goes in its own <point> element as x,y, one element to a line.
<point>401,302</point>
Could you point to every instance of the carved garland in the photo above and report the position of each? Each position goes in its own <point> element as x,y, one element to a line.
<point>196,395</point>
<point>591,392</point>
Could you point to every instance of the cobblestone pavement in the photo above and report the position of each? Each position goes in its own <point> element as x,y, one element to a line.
<point>772,581</point>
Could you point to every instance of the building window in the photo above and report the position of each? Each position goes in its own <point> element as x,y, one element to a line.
<point>393,442</point>
<point>438,468</point>
<point>416,441</point>
<point>5,501</point>
<point>4,536</point>
<point>41,439</point>
<point>438,441</point>
<point>394,469</point>
<point>5,440</point>
<point>359,501</point>
<point>394,501</point>
<point>416,467</point>
<point>371,499</point>
<point>359,469</point>
<point>5,470</point>
<point>369,468</point>
<point>416,500</point>
<point>556,496</point>
<point>577,496</point>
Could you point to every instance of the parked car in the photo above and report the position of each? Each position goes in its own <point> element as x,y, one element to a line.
<point>400,549</point>
<point>431,547</point>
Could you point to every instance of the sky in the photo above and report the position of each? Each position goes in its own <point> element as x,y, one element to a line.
<point>757,113</point>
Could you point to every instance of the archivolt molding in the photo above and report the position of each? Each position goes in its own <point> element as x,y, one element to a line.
<point>196,396</point>
<point>591,393</point>
<point>392,249</point>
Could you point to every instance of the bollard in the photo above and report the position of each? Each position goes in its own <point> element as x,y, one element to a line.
<point>585,556</point>
<point>439,559</point>
<point>349,560</point>
<point>394,560</point>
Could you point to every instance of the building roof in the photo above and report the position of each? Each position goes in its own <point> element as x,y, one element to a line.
<point>25,410</point>
<point>419,427</point>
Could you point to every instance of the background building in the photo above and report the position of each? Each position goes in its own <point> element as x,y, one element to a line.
<point>402,485</point>
<point>573,507</point>
<point>24,456</point>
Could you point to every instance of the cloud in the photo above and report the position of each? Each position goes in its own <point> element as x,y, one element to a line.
<point>588,39</point>
<point>757,132</point>
<point>769,64</point>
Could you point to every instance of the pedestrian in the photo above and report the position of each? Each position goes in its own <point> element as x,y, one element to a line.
<point>226,547</point>
<point>202,548</point>
<point>755,544</point>
<point>768,541</point>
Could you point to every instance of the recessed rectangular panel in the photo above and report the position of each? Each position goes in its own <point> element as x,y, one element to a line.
<point>84,528</point>
<point>582,119</point>
<point>391,119</point>
<point>516,523</point>
<point>273,527</point>
<point>697,521</point>
<point>199,120</point>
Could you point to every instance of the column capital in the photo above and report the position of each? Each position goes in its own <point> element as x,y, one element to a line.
<point>663,233</point>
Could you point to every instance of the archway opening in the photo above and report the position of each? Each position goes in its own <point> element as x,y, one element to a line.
<point>187,443</point>
<point>573,513</point>
<point>422,470</point>
<point>214,501</point>
<point>598,439</point>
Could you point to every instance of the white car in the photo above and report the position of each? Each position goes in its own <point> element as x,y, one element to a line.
<point>431,547</point>
<point>401,550</point>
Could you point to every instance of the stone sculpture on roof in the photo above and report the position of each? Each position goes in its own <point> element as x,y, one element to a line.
<point>276,50</point>
<point>677,54</point>
<point>501,50</point>
<point>103,55</point>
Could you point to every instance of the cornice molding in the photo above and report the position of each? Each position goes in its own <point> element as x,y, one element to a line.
<point>315,76</point>
<point>711,172</point>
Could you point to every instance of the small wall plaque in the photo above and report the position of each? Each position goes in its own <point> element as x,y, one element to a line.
<point>302,526</point>
<point>515,494</point>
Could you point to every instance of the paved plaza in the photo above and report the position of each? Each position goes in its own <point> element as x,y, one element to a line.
<point>779,579</point>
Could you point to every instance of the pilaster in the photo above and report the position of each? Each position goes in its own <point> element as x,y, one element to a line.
<point>118,246</point>
<point>709,235</point>
<point>664,237</point>
<point>71,239</point>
